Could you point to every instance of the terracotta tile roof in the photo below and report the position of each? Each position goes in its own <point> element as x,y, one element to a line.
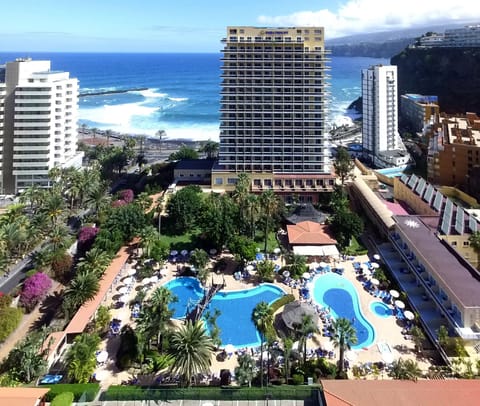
<point>21,396</point>
<point>86,312</point>
<point>308,232</point>
<point>463,392</point>
<point>53,342</point>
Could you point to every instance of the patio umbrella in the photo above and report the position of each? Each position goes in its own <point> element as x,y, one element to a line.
<point>164,271</point>
<point>322,264</point>
<point>146,281</point>
<point>131,272</point>
<point>374,265</point>
<point>327,346</point>
<point>250,268</point>
<point>376,257</point>
<point>154,279</point>
<point>399,304</point>
<point>313,265</point>
<point>229,349</point>
<point>394,294</point>
<point>364,267</point>
<point>409,315</point>
<point>184,252</point>
<point>101,375</point>
<point>294,312</point>
<point>124,298</point>
<point>102,356</point>
<point>306,275</point>
<point>286,274</point>
<point>375,281</point>
<point>213,251</point>
<point>128,281</point>
<point>351,356</point>
<point>174,253</point>
<point>277,250</point>
<point>123,290</point>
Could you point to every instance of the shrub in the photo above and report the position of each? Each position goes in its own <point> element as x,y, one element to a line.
<point>63,399</point>
<point>10,318</point>
<point>61,265</point>
<point>298,379</point>
<point>86,237</point>
<point>5,301</point>
<point>126,195</point>
<point>34,290</point>
<point>84,391</point>
<point>281,302</point>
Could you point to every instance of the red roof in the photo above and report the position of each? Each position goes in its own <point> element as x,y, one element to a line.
<point>22,396</point>
<point>403,393</point>
<point>309,233</point>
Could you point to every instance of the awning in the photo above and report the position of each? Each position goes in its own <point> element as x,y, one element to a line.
<point>316,250</point>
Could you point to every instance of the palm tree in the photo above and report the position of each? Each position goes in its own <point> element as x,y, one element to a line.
<point>148,236</point>
<point>59,238</point>
<point>95,261</point>
<point>240,197</point>
<point>245,371</point>
<point>81,357</point>
<point>191,348</point>
<point>97,197</point>
<point>343,336</point>
<point>405,369</point>
<point>53,206</point>
<point>210,148</point>
<point>304,329</point>
<point>270,205</point>
<point>287,352</point>
<point>297,264</point>
<point>160,134</point>
<point>418,337</point>
<point>262,317</point>
<point>82,288</point>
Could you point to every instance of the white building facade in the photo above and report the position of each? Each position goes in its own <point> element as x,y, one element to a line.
<point>381,141</point>
<point>39,123</point>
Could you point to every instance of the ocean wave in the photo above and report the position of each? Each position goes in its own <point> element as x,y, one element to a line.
<point>115,116</point>
<point>178,99</point>
<point>150,93</point>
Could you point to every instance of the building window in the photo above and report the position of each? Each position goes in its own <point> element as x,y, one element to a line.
<point>232,181</point>
<point>454,243</point>
<point>218,181</point>
<point>466,243</point>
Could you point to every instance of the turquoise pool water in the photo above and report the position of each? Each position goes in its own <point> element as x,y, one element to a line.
<point>235,320</point>
<point>380,309</point>
<point>339,294</point>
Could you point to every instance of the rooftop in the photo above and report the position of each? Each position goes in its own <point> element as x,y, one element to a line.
<point>309,233</point>
<point>186,164</point>
<point>22,396</point>
<point>306,212</point>
<point>454,272</point>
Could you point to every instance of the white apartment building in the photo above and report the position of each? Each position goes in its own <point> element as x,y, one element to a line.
<point>274,111</point>
<point>38,127</point>
<point>380,138</point>
<point>468,36</point>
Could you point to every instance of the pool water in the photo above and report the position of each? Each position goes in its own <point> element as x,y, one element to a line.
<point>236,307</point>
<point>339,294</point>
<point>380,309</point>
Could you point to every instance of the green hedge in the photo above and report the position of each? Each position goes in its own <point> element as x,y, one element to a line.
<point>63,399</point>
<point>84,391</point>
<point>10,318</point>
<point>281,302</point>
<point>284,392</point>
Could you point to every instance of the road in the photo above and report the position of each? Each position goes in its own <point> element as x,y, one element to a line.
<point>16,274</point>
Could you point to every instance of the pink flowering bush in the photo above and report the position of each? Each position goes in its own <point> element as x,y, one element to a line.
<point>34,290</point>
<point>118,203</point>
<point>86,237</point>
<point>126,195</point>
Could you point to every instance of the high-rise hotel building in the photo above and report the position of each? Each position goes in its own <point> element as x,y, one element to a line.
<point>380,138</point>
<point>38,123</point>
<point>274,111</point>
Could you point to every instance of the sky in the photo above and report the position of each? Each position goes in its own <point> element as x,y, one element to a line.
<point>199,25</point>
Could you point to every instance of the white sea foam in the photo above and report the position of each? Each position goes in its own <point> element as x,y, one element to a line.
<point>150,93</point>
<point>178,99</point>
<point>116,116</point>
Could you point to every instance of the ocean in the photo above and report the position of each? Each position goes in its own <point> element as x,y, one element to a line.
<point>182,91</point>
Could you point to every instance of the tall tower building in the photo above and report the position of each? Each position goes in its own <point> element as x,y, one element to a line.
<point>273,111</point>
<point>380,138</point>
<point>38,123</point>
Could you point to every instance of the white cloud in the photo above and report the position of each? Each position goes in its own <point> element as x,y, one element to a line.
<point>356,16</point>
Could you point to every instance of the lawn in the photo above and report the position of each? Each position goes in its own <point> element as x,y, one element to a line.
<point>188,241</point>
<point>272,242</point>
<point>355,248</point>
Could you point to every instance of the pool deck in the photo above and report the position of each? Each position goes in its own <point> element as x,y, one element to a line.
<point>387,329</point>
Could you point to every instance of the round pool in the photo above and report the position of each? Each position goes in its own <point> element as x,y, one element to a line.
<point>380,309</point>
<point>236,307</point>
<point>338,293</point>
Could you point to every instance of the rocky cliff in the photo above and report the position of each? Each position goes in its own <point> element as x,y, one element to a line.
<point>453,74</point>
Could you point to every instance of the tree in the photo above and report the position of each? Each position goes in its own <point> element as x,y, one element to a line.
<point>343,164</point>
<point>240,197</point>
<point>81,358</point>
<point>405,369</point>
<point>199,258</point>
<point>160,134</point>
<point>83,288</point>
<point>442,334</point>
<point>184,152</point>
<point>95,261</point>
<point>184,208</point>
<point>271,206</point>
<point>210,149</point>
<point>418,336</point>
<point>103,318</point>
<point>262,317</point>
<point>191,348</point>
<point>304,330</point>
<point>296,264</point>
<point>265,271</point>
<point>243,248</point>
<point>345,224</point>
<point>343,336</point>
<point>287,353</point>
<point>245,371</point>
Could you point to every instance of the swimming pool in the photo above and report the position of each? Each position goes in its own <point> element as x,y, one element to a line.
<point>236,307</point>
<point>380,309</point>
<point>339,294</point>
